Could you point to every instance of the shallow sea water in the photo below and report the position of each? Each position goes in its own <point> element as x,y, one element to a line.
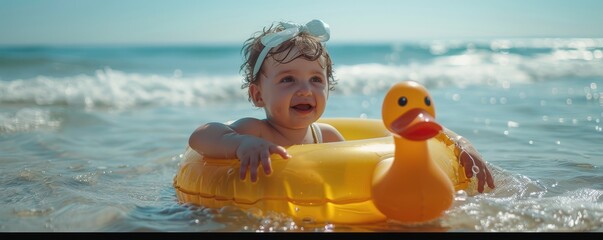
<point>96,149</point>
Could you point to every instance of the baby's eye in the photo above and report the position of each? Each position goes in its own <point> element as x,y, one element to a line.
<point>316,79</point>
<point>287,79</point>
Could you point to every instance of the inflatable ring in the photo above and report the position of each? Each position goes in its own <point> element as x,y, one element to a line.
<point>326,182</point>
<point>337,182</point>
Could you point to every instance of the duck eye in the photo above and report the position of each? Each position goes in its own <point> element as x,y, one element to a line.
<point>427,101</point>
<point>402,101</point>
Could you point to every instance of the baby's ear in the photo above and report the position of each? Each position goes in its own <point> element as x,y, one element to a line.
<point>256,95</point>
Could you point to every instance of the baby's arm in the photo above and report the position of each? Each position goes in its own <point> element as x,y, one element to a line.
<point>238,140</point>
<point>470,156</point>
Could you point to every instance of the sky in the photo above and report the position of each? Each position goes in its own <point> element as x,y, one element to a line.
<point>67,22</point>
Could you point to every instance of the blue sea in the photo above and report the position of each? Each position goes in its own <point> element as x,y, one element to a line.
<point>92,136</point>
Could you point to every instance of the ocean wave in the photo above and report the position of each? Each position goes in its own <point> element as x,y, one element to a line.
<point>474,68</point>
<point>118,89</point>
<point>27,119</point>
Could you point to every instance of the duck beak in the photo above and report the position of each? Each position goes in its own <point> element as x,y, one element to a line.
<point>416,125</point>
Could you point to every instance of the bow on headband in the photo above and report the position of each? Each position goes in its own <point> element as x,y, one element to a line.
<point>316,28</point>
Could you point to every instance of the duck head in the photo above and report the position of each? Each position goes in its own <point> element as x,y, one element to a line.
<point>409,112</point>
<point>410,187</point>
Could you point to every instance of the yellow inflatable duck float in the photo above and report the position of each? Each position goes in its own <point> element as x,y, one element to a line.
<point>401,168</point>
<point>411,186</point>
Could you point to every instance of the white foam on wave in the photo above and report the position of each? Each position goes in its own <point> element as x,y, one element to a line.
<point>116,89</point>
<point>474,68</point>
<point>27,119</point>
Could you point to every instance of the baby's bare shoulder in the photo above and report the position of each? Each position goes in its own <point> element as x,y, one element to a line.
<point>246,121</point>
<point>249,125</point>
<point>330,133</point>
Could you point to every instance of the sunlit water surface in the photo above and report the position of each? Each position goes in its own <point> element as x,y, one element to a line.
<point>89,142</point>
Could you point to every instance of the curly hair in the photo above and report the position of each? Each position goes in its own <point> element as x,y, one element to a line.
<point>310,48</point>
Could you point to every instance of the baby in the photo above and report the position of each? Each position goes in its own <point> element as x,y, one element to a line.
<point>288,73</point>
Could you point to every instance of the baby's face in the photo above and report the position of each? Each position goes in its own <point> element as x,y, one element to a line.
<point>293,94</point>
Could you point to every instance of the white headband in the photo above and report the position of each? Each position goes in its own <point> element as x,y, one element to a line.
<point>316,28</point>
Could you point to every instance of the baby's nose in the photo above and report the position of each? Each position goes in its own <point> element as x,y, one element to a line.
<point>304,90</point>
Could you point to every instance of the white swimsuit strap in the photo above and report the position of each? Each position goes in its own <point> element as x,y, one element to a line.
<point>316,133</point>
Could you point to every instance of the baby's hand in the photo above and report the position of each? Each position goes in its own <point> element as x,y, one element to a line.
<point>470,160</point>
<point>252,151</point>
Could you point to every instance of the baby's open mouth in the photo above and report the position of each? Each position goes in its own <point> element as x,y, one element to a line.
<point>303,107</point>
